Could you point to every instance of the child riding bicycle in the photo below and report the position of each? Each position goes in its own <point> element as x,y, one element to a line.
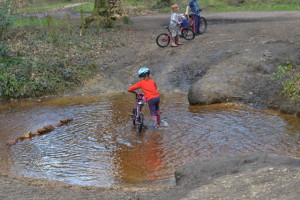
<point>149,88</point>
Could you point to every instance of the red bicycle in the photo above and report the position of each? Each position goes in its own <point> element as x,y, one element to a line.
<point>192,25</point>
<point>164,39</point>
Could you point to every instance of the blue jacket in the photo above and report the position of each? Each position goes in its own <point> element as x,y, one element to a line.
<point>193,4</point>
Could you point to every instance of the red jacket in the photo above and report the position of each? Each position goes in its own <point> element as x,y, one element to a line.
<point>148,87</point>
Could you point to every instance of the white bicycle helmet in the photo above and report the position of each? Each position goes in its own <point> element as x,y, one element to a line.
<point>144,71</point>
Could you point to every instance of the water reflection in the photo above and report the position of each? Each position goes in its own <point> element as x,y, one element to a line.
<point>142,164</point>
<point>101,148</point>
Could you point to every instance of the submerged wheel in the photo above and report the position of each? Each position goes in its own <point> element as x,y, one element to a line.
<point>133,115</point>
<point>187,34</point>
<point>163,40</point>
<point>140,123</point>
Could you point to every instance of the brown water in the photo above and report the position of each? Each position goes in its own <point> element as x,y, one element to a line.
<point>101,148</point>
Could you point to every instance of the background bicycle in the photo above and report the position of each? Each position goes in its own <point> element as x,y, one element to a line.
<point>164,39</point>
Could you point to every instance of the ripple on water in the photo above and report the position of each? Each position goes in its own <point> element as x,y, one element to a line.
<point>101,148</point>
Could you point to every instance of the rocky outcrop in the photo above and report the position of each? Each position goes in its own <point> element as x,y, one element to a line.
<point>248,176</point>
<point>246,74</point>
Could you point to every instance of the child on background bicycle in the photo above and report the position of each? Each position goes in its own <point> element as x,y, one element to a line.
<point>193,4</point>
<point>174,26</point>
<point>149,88</point>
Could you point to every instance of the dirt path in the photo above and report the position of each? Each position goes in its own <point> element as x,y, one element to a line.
<point>236,56</point>
<point>65,7</point>
<point>234,60</point>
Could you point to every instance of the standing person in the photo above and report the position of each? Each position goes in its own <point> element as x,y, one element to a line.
<point>149,88</point>
<point>195,9</point>
<point>174,26</point>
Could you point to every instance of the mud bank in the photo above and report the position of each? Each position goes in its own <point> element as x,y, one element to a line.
<point>248,176</point>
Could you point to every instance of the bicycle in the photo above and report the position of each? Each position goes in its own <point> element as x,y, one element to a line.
<point>137,115</point>
<point>164,39</point>
<point>203,23</point>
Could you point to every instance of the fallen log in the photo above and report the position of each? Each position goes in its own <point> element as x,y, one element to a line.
<point>40,131</point>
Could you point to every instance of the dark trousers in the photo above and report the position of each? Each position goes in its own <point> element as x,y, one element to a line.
<point>196,24</point>
<point>154,106</point>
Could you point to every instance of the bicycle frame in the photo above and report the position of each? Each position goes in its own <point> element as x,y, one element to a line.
<point>169,31</point>
<point>140,102</point>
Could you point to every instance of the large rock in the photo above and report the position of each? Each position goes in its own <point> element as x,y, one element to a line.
<point>248,176</point>
<point>226,80</point>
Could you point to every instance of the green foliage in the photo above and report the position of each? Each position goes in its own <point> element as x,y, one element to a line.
<point>282,70</point>
<point>3,49</point>
<point>5,21</point>
<point>290,76</point>
<point>32,66</point>
<point>21,78</point>
<point>9,85</point>
<point>291,87</point>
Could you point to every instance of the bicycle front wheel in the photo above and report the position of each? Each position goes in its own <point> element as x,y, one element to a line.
<point>140,122</point>
<point>163,40</point>
<point>134,111</point>
<point>203,25</point>
<point>187,34</point>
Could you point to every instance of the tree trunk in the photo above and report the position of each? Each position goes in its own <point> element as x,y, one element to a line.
<point>101,8</point>
<point>105,9</point>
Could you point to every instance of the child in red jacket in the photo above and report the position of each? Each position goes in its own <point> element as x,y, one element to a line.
<point>149,89</point>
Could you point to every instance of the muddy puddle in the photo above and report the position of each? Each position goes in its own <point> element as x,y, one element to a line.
<point>101,148</point>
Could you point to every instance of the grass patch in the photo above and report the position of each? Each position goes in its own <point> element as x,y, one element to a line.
<point>289,74</point>
<point>33,21</point>
<point>134,3</point>
<point>88,7</point>
<point>255,8</point>
<point>40,9</point>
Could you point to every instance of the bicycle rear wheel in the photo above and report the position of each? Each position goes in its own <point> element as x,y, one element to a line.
<point>163,40</point>
<point>203,25</point>
<point>140,123</point>
<point>187,34</point>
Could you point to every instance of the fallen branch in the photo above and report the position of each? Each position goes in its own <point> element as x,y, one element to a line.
<point>40,131</point>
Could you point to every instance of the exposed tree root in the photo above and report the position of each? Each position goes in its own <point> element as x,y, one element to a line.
<point>40,131</point>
